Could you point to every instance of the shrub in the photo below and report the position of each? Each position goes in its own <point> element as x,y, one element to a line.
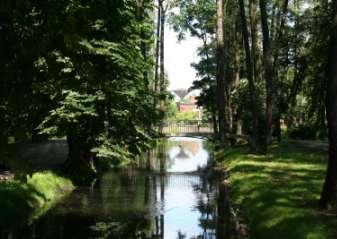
<point>19,199</point>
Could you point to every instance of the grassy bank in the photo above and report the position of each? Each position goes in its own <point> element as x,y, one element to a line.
<point>278,193</point>
<point>23,200</point>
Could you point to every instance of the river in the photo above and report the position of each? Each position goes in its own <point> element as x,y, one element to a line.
<point>167,195</point>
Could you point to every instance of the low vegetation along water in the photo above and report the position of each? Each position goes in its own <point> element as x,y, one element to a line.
<point>168,195</point>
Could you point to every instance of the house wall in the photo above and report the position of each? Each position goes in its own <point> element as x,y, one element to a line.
<point>185,107</point>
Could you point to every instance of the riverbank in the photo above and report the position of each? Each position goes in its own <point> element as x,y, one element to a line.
<point>22,200</point>
<point>167,194</point>
<point>278,193</point>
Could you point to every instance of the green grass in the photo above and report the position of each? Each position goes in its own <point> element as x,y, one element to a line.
<point>24,200</point>
<point>278,193</point>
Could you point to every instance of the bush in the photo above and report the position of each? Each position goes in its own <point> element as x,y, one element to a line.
<point>19,199</point>
<point>307,132</point>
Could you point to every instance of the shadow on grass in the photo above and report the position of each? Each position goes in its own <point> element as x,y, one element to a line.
<point>279,192</point>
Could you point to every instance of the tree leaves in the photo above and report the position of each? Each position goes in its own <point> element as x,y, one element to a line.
<point>88,76</point>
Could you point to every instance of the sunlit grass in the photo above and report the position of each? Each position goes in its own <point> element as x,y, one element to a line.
<point>278,192</point>
<point>19,199</point>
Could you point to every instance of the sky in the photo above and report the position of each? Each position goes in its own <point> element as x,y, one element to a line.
<point>178,59</point>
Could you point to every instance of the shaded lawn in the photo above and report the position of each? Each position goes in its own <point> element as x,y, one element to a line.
<point>278,192</point>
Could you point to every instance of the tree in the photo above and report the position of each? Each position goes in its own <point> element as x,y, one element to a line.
<point>88,78</point>
<point>268,70</point>
<point>254,38</point>
<point>329,193</point>
<point>198,19</point>
<point>156,76</point>
<point>162,85</point>
<point>278,46</point>
<point>250,75</point>
<point>220,76</point>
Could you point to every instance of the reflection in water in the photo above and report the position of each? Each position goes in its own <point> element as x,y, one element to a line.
<point>182,154</point>
<point>177,155</point>
<point>159,203</point>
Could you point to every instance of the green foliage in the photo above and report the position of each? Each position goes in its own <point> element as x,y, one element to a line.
<point>75,110</point>
<point>173,113</point>
<point>48,185</point>
<point>90,77</point>
<point>189,115</point>
<point>111,154</point>
<point>20,199</point>
<point>240,98</point>
<point>171,110</point>
<point>197,18</point>
<point>299,49</point>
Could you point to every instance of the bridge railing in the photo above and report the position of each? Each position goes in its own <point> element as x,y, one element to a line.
<point>186,127</point>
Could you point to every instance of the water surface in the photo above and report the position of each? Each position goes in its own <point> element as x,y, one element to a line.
<point>167,195</point>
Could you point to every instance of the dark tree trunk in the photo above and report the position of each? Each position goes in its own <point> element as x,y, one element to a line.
<point>268,71</point>
<point>249,68</point>
<point>214,112</point>
<point>279,34</point>
<point>278,83</point>
<point>237,129</point>
<point>221,91</point>
<point>156,72</point>
<point>256,60</point>
<point>3,148</point>
<point>215,123</point>
<point>80,160</point>
<point>277,126</point>
<point>162,66</point>
<point>329,193</point>
<point>144,46</point>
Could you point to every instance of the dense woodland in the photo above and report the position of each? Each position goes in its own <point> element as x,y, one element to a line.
<point>93,72</point>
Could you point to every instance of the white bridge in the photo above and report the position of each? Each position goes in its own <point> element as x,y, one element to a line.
<point>186,128</point>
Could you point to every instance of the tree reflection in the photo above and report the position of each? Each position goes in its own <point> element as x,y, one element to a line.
<point>210,207</point>
<point>182,154</point>
<point>134,203</point>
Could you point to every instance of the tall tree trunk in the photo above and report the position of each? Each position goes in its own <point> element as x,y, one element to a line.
<point>249,68</point>
<point>156,72</point>
<point>278,46</point>
<point>236,78</point>
<point>215,123</point>
<point>214,113</point>
<point>221,73</point>
<point>256,60</point>
<point>329,193</point>
<point>300,66</point>
<point>279,33</point>
<point>162,66</point>
<point>268,71</point>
